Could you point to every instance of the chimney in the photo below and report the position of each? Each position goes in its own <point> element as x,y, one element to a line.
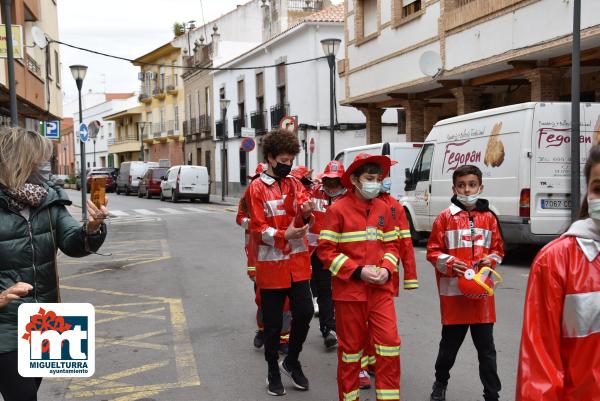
<point>216,37</point>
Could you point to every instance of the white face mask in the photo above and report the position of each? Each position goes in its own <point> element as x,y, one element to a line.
<point>334,194</point>
<point>594,208</point>
<point>468,200</point>
<point>369,190</point>
<point>386,185</point>
<point>41,174</point>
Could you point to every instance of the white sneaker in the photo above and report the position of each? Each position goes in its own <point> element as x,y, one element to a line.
<point>316,306</point>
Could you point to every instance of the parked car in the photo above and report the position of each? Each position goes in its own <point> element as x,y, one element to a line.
<point>405,153</point>
<point>110,182</point>
<point>524,153</point>
<point>130,175</point>
<point>59,180</point>
<point>185,182</point>
<point>150,182</point>
<point>113,172</point>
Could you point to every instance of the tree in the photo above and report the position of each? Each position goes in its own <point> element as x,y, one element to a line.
<point>178,28</point>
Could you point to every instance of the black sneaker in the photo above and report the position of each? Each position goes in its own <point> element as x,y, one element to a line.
<point>284,348</point>
<point>274,385</point>
<point>259,339</point>
<point>330,339</point>
<point>439,392</point>
<point>295,373</point>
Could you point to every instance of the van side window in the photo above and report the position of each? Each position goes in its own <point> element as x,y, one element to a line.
<point>425,163</point>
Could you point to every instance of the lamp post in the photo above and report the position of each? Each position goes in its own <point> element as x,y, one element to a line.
<point>78,72</point>
<point>575,112</point>
<point>224,106</point>
<point>65,159</point>
<point>94,163</point>
<point>141,126</point>
<point>330,48</point>
<point>189,26</point>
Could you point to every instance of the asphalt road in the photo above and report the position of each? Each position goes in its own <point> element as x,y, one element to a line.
<point>175,316</point>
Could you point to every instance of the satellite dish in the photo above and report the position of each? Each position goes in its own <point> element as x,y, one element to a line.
<point>93,128</point>
<point>39,38</point>
<point>430,63</point>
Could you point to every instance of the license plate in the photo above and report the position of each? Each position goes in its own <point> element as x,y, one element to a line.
<point>556,204</point>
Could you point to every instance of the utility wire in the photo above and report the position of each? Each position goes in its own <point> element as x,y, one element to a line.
<point>182,66</point>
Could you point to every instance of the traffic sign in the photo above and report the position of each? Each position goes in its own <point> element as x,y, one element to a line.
<point>52,130</point>
<point>289,123</point>
<point>83,133</point>
<point>311,145</point>
<point>248,144</point>
<point>248,132</point>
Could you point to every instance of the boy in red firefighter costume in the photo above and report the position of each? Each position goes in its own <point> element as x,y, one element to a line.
<point>358,244</point>
<point>243,220</point>
<point>323,196</point>
<point>409,267</point>
<point>559,358</point>
<point>465,236</point>
<point>280,215</point>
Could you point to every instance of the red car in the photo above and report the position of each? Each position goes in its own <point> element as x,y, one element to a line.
<point>150,182</point>
<point>110,182</point>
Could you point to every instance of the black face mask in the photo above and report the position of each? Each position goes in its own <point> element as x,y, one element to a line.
<point>282,170</point>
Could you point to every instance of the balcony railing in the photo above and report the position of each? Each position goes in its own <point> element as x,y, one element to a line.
<point>461,12</point>
<point>124,139</point>
<point>171,128</point>
<point>33,66</point>
<point>258,121</point>
<point>204,123</point>
<point>171,83</point>
<point>239,122</point>
<point>186,130</point>
<point>277,113</point>
<point>305,5</point>
<point>144,94</point>
<point>194,125</point>
<point>221,129</point>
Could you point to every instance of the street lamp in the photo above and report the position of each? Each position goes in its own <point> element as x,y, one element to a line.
<point>224,106</point>
<point>330,48</point>
<point>65,159</point>
<point>78,72</point>
<point>141,126</point>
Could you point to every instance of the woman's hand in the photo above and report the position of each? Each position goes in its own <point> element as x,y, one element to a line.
<point>295,232</point>
<point>95,217</point>
<point>15,292</point>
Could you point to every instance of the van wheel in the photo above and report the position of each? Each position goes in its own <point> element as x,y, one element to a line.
<point>415,236</point>
<point>205,199</point>
<point>174,197</point>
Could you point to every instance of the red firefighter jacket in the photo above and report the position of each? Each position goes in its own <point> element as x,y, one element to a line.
<point>243,220</point>
<point>560,344</point>
<point>273,206</point>
<point>405,246</point>
<point>357,233</point>
<point>452,237</point>
<point>322,201</point>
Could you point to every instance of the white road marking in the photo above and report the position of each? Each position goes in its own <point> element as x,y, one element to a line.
<point>145,212</point>
<point>196,209</point>
<point>170,210</point>
<point>118,213</point>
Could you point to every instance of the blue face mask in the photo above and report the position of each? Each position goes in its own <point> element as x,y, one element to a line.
<point>386,185</point>
<point>594,208</point>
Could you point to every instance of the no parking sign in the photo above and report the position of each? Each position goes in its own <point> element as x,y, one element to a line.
<point>248,144</point>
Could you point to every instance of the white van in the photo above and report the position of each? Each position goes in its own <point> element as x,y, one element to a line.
<point>185,182</point>
<point>405,153</point>
<point>524,153</point>
<point>130,174</point>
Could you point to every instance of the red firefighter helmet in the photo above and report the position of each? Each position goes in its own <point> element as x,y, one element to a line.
<point>333,169</point>
<point>479,284</point>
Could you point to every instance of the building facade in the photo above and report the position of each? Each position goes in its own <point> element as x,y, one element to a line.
<point>163,99</point>
<point>260,97</point>
<point>64,152</point>
<point>37,74</point>
<point>126,144</point>
<point>491,53</point>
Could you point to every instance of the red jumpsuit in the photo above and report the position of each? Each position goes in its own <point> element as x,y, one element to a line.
<point>362,233</point>
<point>243,220</point>
<point>560,344</point>
<point>451,237</point>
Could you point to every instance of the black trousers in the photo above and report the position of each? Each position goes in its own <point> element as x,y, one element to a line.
<point>302,310</point>
<point>483,337</point>
<point>13,387</point>
<point>321,288</point>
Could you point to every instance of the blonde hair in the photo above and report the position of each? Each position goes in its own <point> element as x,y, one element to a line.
<point>20,152</point>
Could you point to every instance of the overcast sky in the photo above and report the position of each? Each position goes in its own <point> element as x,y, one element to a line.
<point>127,28</point>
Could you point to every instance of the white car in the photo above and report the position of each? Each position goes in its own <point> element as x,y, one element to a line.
<point>185,182</point>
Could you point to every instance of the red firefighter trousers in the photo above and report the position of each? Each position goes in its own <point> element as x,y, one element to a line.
<point>356,321</point>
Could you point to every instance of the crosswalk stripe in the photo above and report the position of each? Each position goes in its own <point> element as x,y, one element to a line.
<point>195,209</point>
<point>145,212</point>
<point>118,213</point>
<point>170,211</point>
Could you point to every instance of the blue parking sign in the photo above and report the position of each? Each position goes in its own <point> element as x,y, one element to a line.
<point>52,130</point>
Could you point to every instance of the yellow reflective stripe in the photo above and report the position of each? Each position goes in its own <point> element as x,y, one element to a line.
<point>404,234</point>
<point>337,263</point>
<point>391,258</point>
<point>352,358</point>
<point>251,268</point>
<point>329,235</point>
<point>411,283</point>
<point>285,337</point>
<point>385,350</point>
<point>390,236</point>
<point>372,360</point>
<point>364,361</point>
<point>351,396</point>
<point>388,394</point>
<point>354,236</point>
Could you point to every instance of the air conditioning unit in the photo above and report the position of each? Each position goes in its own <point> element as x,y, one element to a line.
<point>152,75</point>
<point>141,76</point>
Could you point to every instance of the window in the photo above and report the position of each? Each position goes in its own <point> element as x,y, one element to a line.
<point>243,167</point>
<point>207,101</point>
<point>410,7</point>
<point>406,10</point>
<point>424,166</point>
<point>260,91</point>
<point>281,87</point>
<point>207,160</point>
<point>199,103</point>
<point>241,102</point>
<point>176,112</point>
<point>57,68</point>
<point>162,119</point>
<point>367,21</point>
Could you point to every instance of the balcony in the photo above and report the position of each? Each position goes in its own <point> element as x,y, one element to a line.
<point>204,123</point>
<point>277,113</point>
<point>305,5</point>
<point>186,131</point>
<point>461,12</point>
<point>193,126</point>
<point>258,121</point>
<point>221,129</point>
<point>144,96</point>
<point>149,132</point>
<point>159,90</point>
<point>171,130</point>
<point>239,122</point>
<point>172,83</point>
<point>33,66</point>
